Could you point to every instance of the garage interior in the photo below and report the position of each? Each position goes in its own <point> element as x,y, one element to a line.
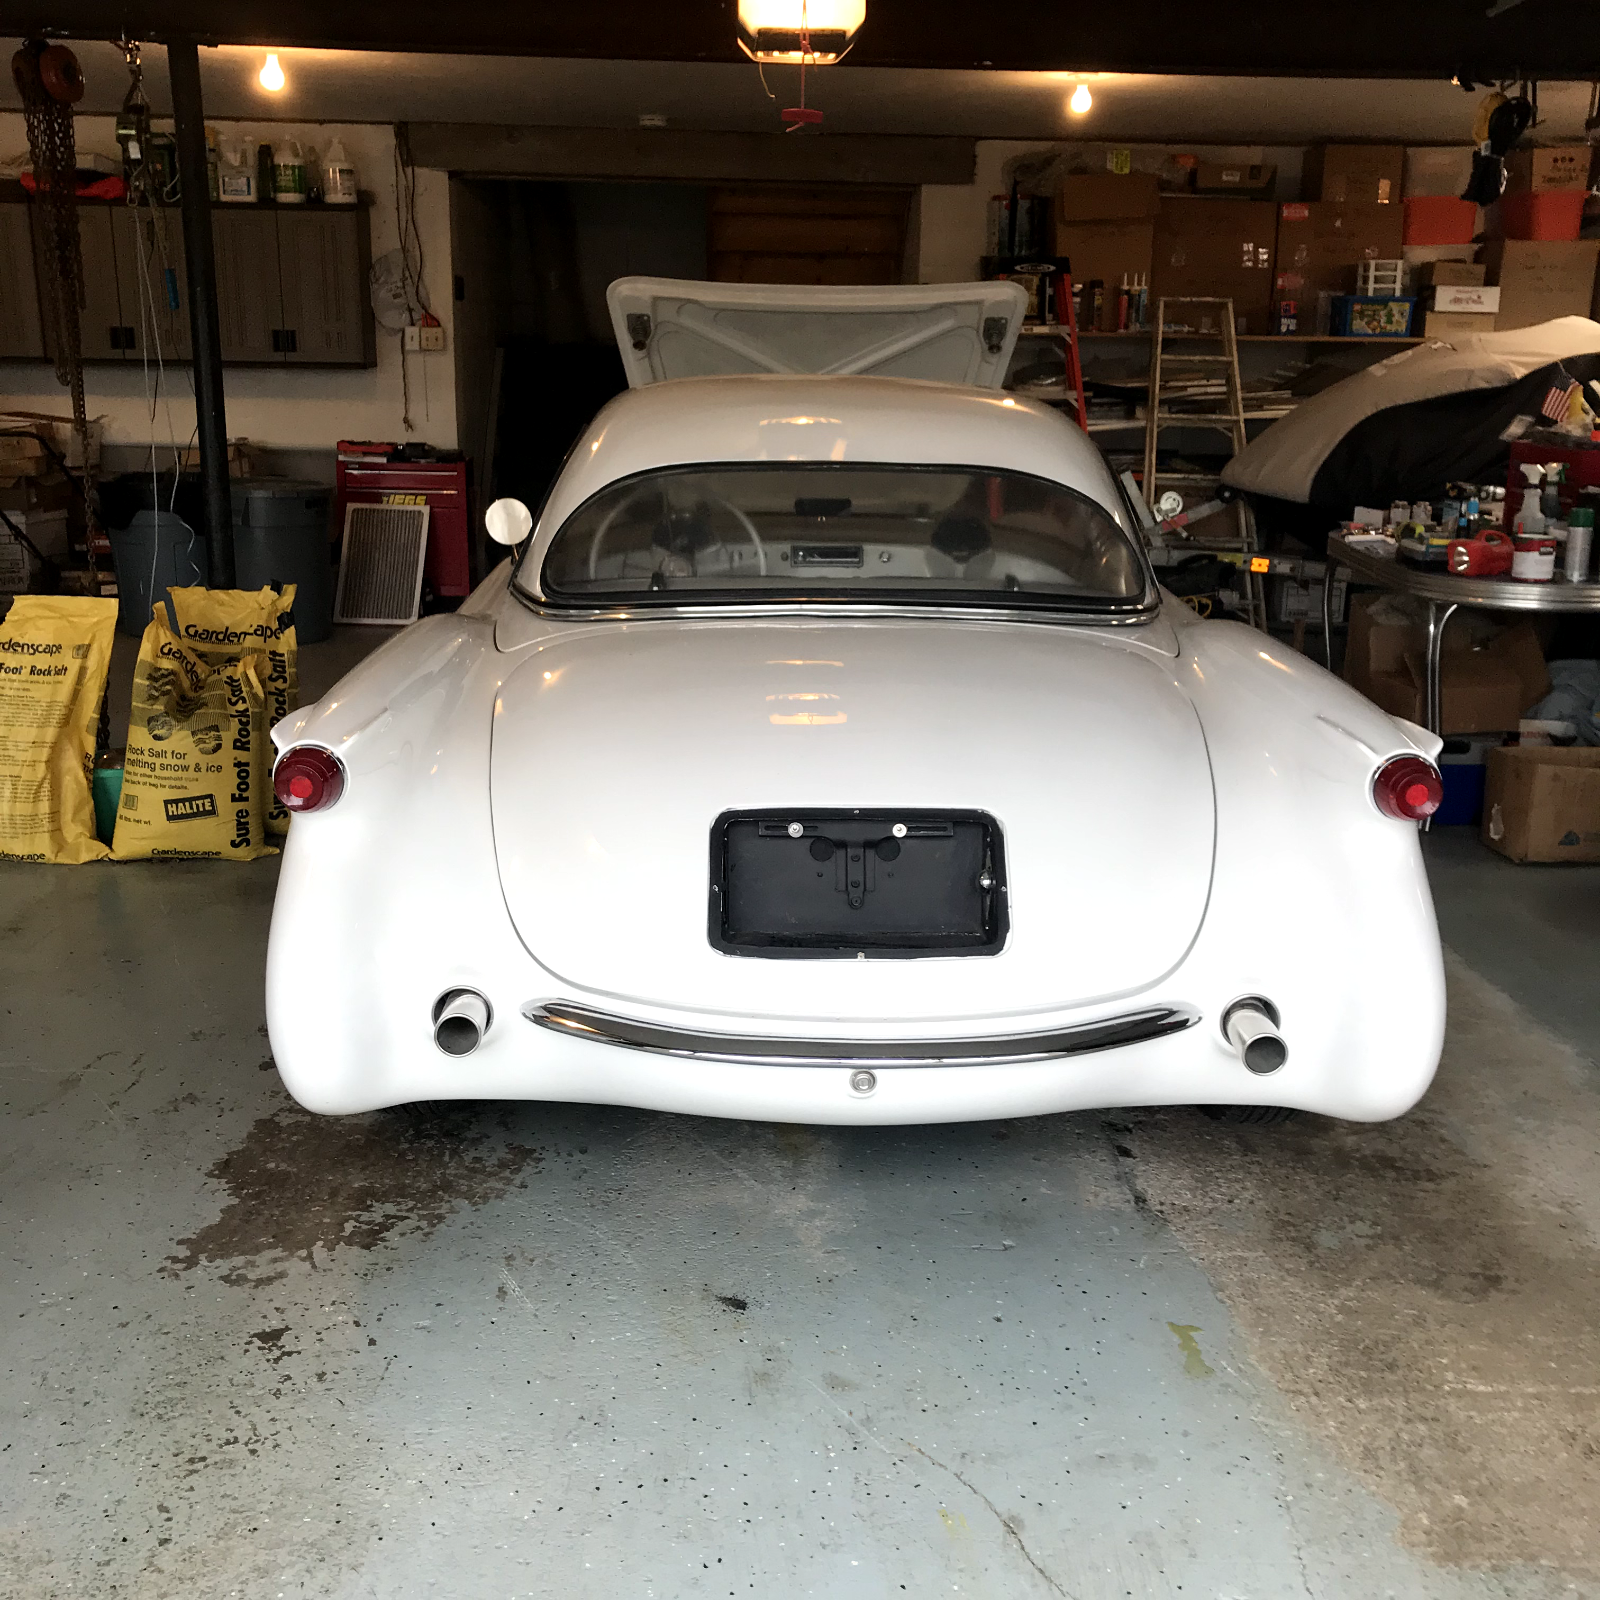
<point>533,1349</point>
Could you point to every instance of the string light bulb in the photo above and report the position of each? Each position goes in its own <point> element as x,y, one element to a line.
<point>272,74</point>
<point>1081,100</point>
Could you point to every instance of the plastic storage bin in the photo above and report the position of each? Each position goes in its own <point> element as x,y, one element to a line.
<point>1371,316</point>
<point>1550,214</point>
<point>1439,219</point>
<point>280,535</point>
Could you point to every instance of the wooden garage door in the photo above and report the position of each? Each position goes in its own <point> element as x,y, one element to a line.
<point>771,233</point>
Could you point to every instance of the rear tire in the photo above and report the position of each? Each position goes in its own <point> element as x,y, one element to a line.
<point>1251,1116</point>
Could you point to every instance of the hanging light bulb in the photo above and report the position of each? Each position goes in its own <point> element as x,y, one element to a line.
<point>1081,100</point>
<point>272,74</point>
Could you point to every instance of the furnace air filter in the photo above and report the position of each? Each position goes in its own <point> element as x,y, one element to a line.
<point>380,572</point>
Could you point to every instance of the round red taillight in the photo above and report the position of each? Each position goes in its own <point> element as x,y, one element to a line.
<point>308,778</point>
<point>1408,788</point>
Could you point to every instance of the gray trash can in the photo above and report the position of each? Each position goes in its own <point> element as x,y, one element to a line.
<point>280,535</point>
<point>156,551</point>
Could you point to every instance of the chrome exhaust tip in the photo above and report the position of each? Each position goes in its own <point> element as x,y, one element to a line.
<point>460,1020</point>
<point>1250,1025</point>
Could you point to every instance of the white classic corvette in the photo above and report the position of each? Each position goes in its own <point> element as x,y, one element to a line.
<point>828,753</point>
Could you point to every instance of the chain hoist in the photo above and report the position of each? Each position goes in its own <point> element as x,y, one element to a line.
<point>50,82</point>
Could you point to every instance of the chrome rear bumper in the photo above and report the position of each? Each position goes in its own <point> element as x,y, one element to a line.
<point>1106,1033</point>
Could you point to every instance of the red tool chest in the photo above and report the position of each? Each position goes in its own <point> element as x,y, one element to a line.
<point>440,485</point>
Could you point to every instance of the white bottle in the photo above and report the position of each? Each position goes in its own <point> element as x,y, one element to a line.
<point>1530,519</point>
<point>288,174</point>
<point>338,176</point>
<point>236,174</point>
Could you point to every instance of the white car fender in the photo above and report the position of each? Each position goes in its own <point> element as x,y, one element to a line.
<point>1303,851</point>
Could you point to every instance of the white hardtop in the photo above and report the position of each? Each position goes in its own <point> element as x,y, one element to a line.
<point>945,332</point>
<point>879,420</point>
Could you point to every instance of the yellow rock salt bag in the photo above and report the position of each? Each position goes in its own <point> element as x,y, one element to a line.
<point>222,625</point>
<point>195,780</point>
<point>55,651</point>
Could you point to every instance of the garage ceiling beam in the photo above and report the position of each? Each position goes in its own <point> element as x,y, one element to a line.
<point>480,150</point>
<point>1557,39</point>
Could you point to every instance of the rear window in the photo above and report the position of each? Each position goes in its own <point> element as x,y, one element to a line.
<point>788,530</point>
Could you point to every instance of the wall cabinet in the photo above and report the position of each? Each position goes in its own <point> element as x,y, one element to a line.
<point>291,285</point>
<point>249,305</point>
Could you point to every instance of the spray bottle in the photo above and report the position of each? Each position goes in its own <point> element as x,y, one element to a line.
<point>1534,551</point>
<point>1530,519</point>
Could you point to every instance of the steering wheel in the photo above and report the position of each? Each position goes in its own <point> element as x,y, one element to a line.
<point>598,541</point>
<point>749,532</point>
<point>601,532</point>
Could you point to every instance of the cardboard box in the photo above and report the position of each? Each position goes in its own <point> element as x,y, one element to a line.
<point>29,497</point>
<point>1292,600</point>
<point>1319,245</point>
<point>1437,170</point>
<point>1107,197</point>
<point>1452,324</point>
<point>1481,691</point>
<point>1537,169</point>
<point>1355,174</point>
<point>1541,803</point>
<point>1220,248</point>
<point>1466,297</point>
<point>59,433</point>
<point>1450,274</point>
<point>1108,251</point>
<point>1541,278</point>
<point>1252,182</point>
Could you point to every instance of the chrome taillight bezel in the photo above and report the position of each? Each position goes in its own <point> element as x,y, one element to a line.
<point>313,764</point>
<point>1394,783</point>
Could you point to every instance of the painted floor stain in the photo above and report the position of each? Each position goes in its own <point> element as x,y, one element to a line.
<point>1194,1363</point>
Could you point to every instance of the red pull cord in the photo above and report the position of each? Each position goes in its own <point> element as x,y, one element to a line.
<point>800,116</point>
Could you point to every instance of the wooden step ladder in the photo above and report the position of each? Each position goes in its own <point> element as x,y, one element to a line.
<point>1229,418</point>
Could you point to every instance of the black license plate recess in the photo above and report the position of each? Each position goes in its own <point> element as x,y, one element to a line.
<point>846,883</point>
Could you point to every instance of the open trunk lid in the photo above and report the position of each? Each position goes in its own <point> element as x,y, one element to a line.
<point>947,332</point>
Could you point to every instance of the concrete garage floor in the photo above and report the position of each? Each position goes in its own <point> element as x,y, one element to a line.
<point>562,1351</point>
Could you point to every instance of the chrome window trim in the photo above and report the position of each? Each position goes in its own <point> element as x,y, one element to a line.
<point>1104,1033</point>
<point>1135,615</point>
<point>1113,609</point>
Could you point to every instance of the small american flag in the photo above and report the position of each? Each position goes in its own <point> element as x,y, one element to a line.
<point>1556,402</point>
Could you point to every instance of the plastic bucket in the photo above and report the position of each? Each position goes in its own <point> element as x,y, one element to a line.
<point>156,551</point>
<point>107,791</point>
<point>280,535</point>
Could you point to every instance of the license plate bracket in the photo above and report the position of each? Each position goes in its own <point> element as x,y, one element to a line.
<point>848,883</point>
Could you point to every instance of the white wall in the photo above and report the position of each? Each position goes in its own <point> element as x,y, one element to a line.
<point>278,408</point>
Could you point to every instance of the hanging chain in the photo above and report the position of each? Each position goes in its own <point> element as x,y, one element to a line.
<point>49,81</point>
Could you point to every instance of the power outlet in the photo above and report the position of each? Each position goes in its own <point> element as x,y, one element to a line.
<point>413,336</point>
<point>432,336</point>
